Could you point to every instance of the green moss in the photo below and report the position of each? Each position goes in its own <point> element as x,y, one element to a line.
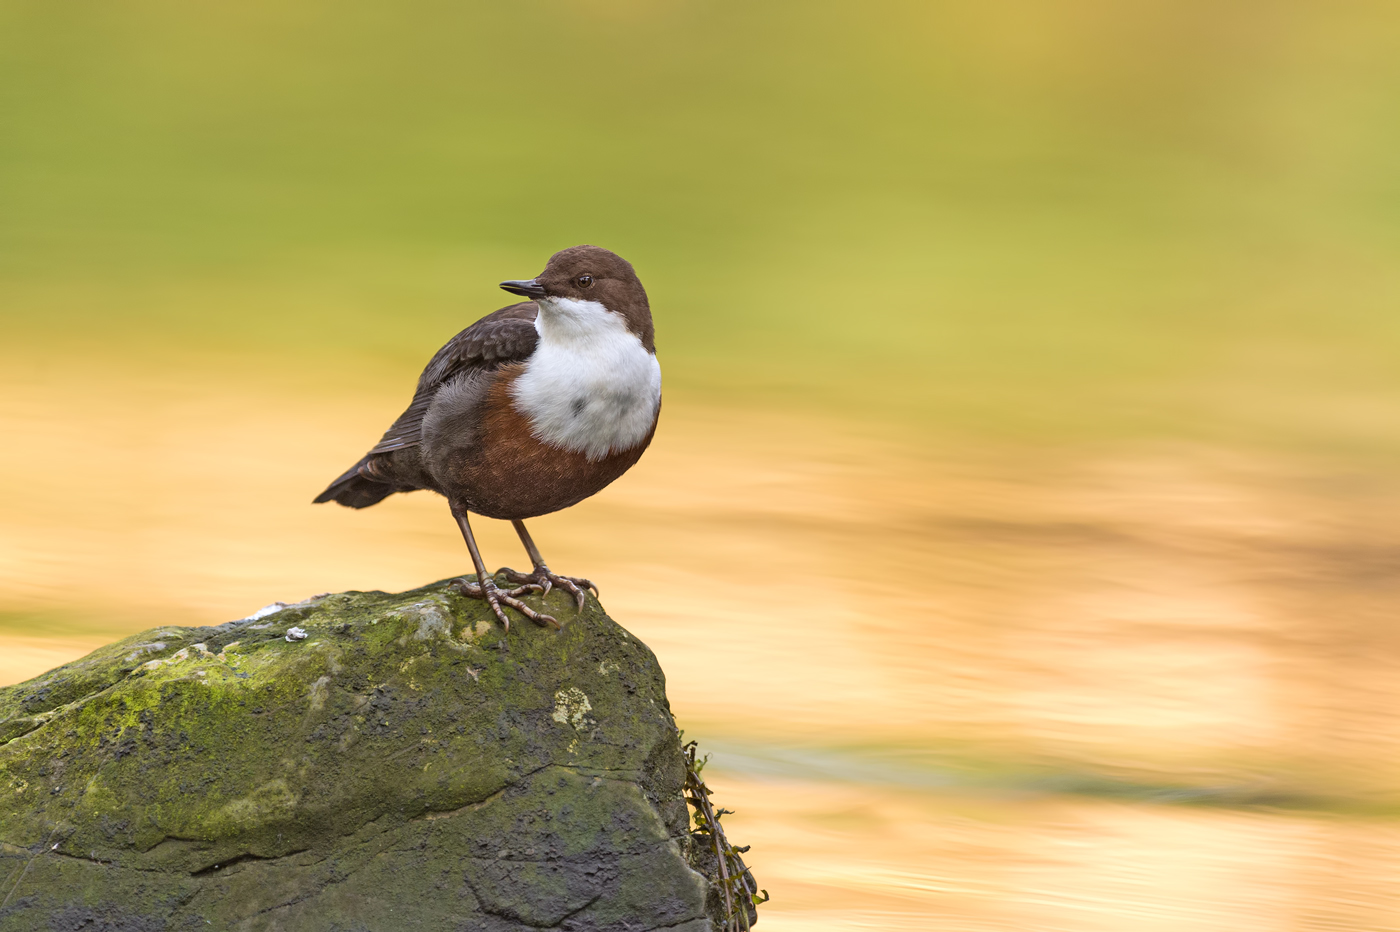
<point>406,753</point>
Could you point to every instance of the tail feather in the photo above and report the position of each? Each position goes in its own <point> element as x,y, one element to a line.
<point>356,490</point>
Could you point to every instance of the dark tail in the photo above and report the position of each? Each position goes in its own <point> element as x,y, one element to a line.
<point>355,490</point>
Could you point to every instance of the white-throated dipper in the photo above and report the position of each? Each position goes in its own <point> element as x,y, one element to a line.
<point>529,410</point>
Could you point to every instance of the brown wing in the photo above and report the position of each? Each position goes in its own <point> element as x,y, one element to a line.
<point>505,336</point>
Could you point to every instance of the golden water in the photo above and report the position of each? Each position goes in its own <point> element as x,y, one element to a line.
<point>1112,688</point>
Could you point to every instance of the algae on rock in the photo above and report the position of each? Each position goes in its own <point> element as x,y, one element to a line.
<point>394,769</point>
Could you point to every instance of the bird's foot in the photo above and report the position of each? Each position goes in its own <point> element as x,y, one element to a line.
<point>497,597</point>
<point>546,580</point>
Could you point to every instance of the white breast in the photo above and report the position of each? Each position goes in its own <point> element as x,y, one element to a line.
<point>590,387</point>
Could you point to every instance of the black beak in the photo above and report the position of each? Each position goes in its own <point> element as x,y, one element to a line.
<point>528,289</point>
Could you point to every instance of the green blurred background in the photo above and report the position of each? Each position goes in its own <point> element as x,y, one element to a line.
<point>1062,221</point>
<point>1032,420</point>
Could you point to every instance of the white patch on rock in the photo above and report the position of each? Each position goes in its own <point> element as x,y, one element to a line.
<point>590,387</point>
<point>433,621</point>
<point>571,707</point>
<point>266,610</point>
<point>276,607</point>
<point>145,649</point>
<point>181,654</point>
<point>295,634</point>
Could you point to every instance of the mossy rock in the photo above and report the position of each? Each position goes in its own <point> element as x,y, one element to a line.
<point>407,765</point>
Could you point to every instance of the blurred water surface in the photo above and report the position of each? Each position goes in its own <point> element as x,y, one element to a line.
<point>1020,533</point>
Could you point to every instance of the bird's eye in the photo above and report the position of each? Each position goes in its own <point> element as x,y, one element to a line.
<point>585,281</point>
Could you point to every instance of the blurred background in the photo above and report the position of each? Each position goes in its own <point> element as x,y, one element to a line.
<point>1020,535</point>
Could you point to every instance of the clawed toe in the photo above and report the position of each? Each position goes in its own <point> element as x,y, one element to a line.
<point>546,580</point>
<point>497,597</point>
<point>544,584</point>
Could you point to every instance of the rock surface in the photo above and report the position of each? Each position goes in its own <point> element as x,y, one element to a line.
<point>393,769</point>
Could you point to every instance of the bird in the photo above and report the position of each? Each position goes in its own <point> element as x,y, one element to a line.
<point>528,411</point>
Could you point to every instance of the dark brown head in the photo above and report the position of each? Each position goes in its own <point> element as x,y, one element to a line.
<point>591,273</point>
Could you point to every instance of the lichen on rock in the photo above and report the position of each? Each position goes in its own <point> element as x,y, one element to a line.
<point>394,768</point>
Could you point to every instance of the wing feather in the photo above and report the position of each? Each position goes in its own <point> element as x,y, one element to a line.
<point>505,336</point>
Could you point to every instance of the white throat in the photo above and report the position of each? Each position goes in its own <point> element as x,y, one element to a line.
<point>590,387</point>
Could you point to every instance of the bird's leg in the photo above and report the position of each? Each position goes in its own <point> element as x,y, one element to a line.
<point>541,576</point>
<point>485,586</point>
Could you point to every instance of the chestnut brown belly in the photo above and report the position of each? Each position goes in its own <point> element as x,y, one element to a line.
<point>510,474</point>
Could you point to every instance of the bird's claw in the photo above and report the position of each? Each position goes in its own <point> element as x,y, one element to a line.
<point>546,580</point>
<point>497,597</point>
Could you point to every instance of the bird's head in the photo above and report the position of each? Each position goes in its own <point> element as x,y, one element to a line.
<point>585,280</point>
